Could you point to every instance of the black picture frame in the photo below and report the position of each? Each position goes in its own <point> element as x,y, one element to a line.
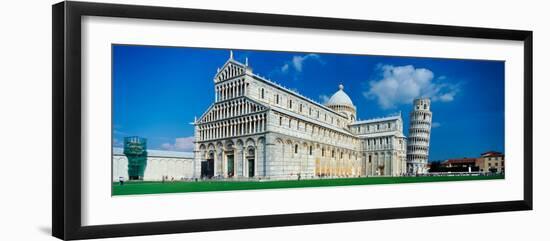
<point>66,157</point>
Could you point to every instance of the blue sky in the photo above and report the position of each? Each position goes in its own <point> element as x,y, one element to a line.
<point>157,92</point>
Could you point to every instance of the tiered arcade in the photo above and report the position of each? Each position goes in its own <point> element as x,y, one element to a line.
<point>419,136</point>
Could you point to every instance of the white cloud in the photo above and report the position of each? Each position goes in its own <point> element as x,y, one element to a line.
<point>117,131</point>
<point>447,97</point>
<point>284,69</point>
<point>401,84</point>
<point>117,142</point>
<point>180,144</point>
<point>323,99</point>
<point>298,61</point>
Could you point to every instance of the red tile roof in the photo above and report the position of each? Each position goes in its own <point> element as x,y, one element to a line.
<point>492,154</point>
<point>460,161</point>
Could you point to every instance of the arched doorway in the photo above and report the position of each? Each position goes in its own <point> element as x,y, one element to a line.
<point>250,157</point>
<point>207,166</point>
<point>380,171</point>
<point>230,157</point>
<point>230,164</point>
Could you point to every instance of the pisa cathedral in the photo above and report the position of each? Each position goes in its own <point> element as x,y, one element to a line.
<point>256,128</point>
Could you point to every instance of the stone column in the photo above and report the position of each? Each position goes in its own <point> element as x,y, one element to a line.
<point>253,126</point>
<point>244,161</point>
<point>218,162</point>
<point>237,159</point>
<point>256,160</point>
<point>224,163</point>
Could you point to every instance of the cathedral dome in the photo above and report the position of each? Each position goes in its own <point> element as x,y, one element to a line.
<point>340,98</point>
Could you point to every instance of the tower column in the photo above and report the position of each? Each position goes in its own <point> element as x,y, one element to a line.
<point>419,136</point>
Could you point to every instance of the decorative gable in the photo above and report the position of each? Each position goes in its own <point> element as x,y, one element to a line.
<point>230,70</point>
<point>230,109</point>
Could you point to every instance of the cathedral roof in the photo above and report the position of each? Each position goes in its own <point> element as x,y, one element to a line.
<point>380,119</point>
<point>317,122</point>
<point>339,98</point>
<point>231,60</point>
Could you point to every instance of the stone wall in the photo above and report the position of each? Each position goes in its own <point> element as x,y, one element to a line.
<point>157,167</point>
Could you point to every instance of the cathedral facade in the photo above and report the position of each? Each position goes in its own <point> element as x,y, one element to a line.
<point>256,128</point>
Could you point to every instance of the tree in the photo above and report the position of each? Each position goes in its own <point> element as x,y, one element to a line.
<point>435,166</point>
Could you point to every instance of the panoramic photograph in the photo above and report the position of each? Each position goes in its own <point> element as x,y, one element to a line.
<point>187,119</point>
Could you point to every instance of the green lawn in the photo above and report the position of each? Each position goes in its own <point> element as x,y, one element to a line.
<point>130,188</point>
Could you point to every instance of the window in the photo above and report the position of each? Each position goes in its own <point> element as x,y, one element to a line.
<point>332,153</point>
<point>280,120</point>
<point>289,123</point>
<point>341,155</point>
<point>290,104</point>
<point>309,110</point>
<point>317,114</point>
<point>370,158</point>
<point>277,99</point>
<point>323,152</point>
<point>310,150</point>
<point>300,108</point>
<point>296,148</point>
<point>262,95</point>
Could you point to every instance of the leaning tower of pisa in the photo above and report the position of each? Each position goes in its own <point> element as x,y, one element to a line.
<point>418,143</point>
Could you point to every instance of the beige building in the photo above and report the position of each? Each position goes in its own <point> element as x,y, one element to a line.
<point>488,162</point>
<point>492,162</point>
<point>256,128</point>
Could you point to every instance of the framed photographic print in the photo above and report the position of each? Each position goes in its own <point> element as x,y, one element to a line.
<point>169,120</point>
